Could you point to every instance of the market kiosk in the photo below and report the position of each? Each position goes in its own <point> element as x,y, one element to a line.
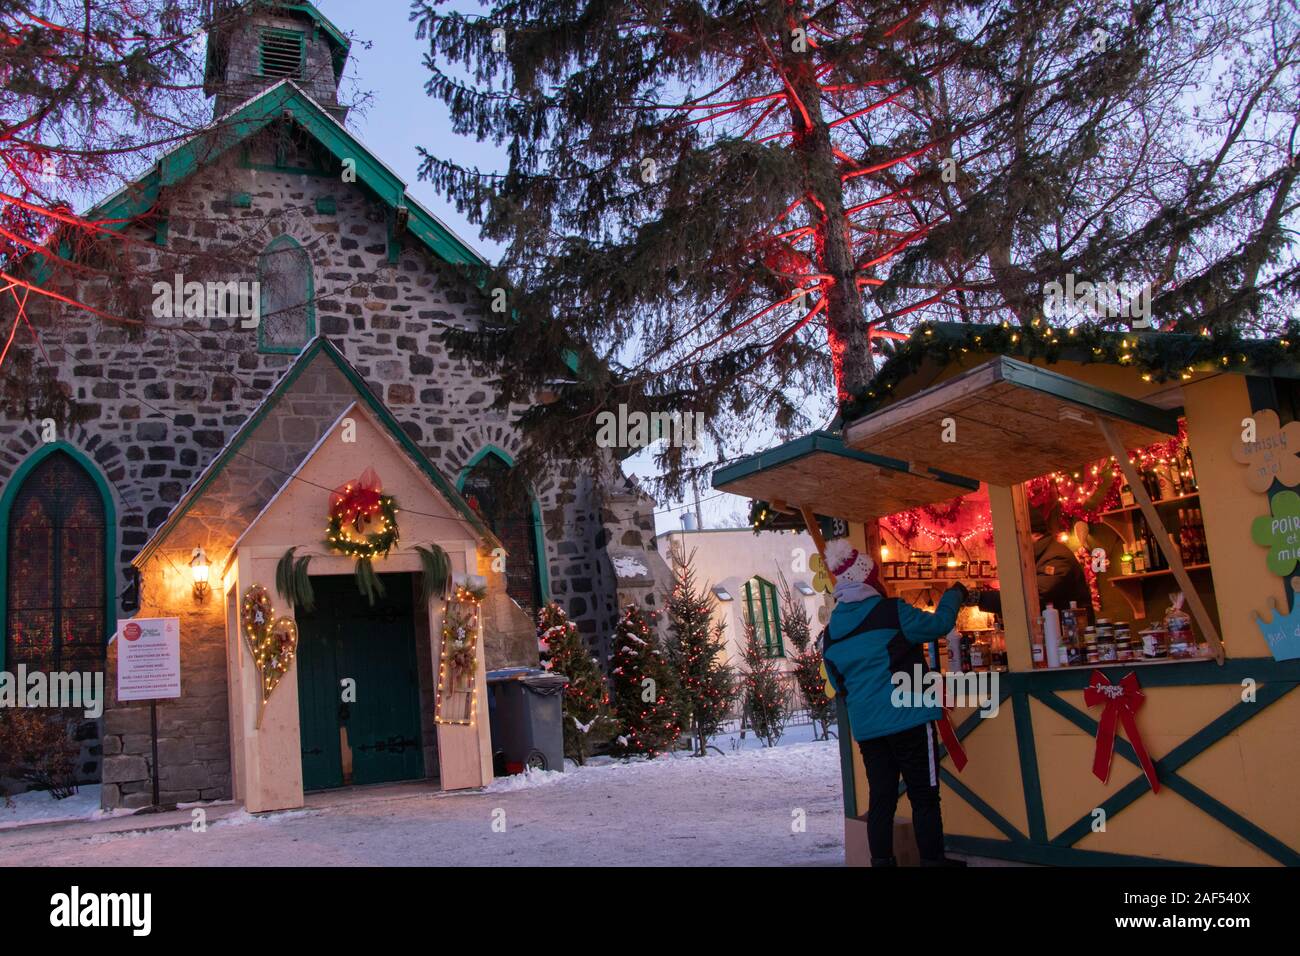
<point>1206,754</point>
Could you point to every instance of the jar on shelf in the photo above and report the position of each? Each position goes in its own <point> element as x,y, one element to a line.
<point>1106,650</point>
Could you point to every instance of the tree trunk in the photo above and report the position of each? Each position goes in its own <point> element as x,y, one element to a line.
<point>849,342</point>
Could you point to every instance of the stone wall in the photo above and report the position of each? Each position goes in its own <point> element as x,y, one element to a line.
<point>165,396</point>
<point>193,730</point>
<point>643,577</point>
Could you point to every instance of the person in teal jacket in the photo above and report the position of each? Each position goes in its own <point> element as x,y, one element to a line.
<point>870,638</point>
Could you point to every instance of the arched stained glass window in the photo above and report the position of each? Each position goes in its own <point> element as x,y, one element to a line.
<point>54,571</point>
<point>288,293</point>
<point>491,487</point>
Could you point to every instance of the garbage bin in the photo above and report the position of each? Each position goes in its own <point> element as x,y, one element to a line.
<point>525,719</point>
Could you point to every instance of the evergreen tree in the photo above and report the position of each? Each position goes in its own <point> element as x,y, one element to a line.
<point>743,200</point>
<point>644,694</point>
<point>764,695</point>
<point>586,701</point>
<point>93,92</point>
<point>807,658</point>
<point>697,650</point>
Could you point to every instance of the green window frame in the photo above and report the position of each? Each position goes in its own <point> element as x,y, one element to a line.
<point>541,570</point>
<point>275,56</point>
<point>766,616</point>
<point>9,492</point>
<point>305,295</point>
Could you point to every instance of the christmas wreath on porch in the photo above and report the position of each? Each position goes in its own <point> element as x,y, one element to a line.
<point>363,525</point>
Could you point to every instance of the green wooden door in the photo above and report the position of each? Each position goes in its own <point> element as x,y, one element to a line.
<point>372,648</point>
<point>319,702</point>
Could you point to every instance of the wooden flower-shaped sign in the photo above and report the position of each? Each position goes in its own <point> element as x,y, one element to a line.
<point>1282,631</point>
<point>1280,533</point>
<point>821,576</point>
<point>1272,453</point>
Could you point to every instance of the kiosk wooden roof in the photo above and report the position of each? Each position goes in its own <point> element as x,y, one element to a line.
<point>1008,422</point>
<point>819,473</point>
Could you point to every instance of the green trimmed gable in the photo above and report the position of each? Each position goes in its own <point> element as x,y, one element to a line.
<point>257,460</point>
<point>285,101</point>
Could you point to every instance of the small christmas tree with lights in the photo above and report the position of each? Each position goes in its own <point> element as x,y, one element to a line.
<point>697,649</point>
<point>764,699</point>
<point>644,693</point>
<point>797,627</point>
<point>585,703</point>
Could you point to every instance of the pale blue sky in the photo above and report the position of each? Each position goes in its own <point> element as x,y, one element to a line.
<point>401,116</point>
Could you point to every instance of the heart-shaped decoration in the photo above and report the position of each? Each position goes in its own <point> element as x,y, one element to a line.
<point>256,616</point>
<point>278,650</point>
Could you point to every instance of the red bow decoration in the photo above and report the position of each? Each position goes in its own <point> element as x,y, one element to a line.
<point>949,736</point>
<point>1122,702</point>
<point>357,501</point>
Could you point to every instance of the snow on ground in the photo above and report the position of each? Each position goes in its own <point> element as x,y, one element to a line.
<point>740,808</point>
<point>37,806</point>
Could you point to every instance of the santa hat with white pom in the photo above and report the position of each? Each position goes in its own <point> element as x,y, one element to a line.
<point>849,564</point>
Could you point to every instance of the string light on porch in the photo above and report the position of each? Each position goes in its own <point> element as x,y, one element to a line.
<point>461,621</point>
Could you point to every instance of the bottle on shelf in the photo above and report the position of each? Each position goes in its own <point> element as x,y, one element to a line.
<point>1052,635</point>
<point>1176,479</point>
<point>953,643</point>
<point>1185,536</point>
<point>1038,650</point>
<point>1126,499</point>
<point>1189,470</point>
<point>1155,557</point>
<point>1151,483</point>
<point>1139,557</point>
<point>999,647</point>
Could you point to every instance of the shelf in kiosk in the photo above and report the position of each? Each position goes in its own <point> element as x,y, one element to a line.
<point>1158,502</point>
<point>1161,572</point>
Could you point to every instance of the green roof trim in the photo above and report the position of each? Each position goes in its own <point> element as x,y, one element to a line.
<point>285,98</point>
<point>828,443</point>
<point>1101,400</point>
<point>317,346</point>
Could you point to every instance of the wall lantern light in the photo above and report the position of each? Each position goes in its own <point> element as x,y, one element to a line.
<point>199,568</point>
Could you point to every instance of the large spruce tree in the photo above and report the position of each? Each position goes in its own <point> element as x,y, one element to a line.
<point>718,206</point>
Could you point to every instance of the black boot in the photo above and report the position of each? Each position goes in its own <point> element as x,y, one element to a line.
<point>946,861</point>
<point>884,861</point>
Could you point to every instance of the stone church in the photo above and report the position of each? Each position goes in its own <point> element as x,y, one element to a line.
<point>209,437</point>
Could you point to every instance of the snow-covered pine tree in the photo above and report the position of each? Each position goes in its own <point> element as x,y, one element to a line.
<point>643,693</point>
<point>585,703</point>
<point>764,698</point>
<point>697,651</point>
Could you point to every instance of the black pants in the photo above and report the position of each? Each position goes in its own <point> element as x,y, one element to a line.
<point>913,754</point>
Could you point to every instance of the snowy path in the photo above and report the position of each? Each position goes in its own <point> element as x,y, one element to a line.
<point>735,809</point>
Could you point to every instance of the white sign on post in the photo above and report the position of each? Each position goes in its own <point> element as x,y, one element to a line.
<point>149,659</point>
